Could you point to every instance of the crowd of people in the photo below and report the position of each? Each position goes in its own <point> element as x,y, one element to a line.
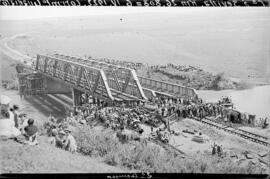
<point>119,116</point>
<point>217,149</point>
<point>123,116</point>
<point>61,137</point>
<point>17,126</point>
<point>132,116</point>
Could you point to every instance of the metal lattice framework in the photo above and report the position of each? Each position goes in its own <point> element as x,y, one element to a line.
<point>105,80</point>
<point>151,87</point>
<point>98,79</point>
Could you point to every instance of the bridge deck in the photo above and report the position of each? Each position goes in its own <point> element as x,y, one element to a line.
<point>106,81</point>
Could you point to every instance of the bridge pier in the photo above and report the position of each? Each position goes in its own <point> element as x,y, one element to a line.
<point>76,97</point>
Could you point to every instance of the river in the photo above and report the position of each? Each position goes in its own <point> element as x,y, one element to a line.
<point>254,101</point>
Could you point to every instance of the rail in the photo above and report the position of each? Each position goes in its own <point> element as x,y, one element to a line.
<point>239,132</point>
<point>165,87</point>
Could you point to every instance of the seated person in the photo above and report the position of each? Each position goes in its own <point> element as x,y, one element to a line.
<point>70,143</point>
<point>7,127</point>
<point>31,132</point>
<point>57,139</point>
<point>60,139</point>
<point>52,139</point>
<point>23,122</point>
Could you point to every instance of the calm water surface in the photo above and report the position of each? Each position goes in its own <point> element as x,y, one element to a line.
<point>254,101</point>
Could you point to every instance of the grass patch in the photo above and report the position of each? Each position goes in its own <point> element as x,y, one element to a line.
<point>149,157</point>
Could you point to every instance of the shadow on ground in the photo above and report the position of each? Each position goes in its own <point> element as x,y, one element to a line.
<point>50,104</point>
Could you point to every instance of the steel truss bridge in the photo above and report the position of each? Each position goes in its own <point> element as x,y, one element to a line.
<point>106,81</point>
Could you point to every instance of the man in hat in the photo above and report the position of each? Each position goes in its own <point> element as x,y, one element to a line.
<point>70,142</point>
<point>59,139</point>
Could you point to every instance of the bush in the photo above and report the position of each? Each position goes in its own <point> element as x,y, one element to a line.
<point>149,157</point>
<point>136,156</point>
<point>217,80</point>
<point>95,143</point>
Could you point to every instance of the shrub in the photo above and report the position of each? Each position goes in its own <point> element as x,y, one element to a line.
<point>216,82</point>
<point>95,143</point>
<point>149,157</point>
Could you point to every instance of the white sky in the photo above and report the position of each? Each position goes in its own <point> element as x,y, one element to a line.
<point>29,12</point>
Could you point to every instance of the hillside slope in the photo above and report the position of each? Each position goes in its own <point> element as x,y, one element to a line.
<point>44,158</point>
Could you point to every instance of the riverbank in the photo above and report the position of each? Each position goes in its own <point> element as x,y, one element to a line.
<point>193,77</point>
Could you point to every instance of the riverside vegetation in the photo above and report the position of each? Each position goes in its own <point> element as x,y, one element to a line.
<point>148,157</point>
<point>193,77</point>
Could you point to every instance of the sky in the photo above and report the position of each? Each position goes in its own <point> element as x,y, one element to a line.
<point>29,12</point>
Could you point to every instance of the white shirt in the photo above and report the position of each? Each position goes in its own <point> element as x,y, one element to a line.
<point>11,116</point>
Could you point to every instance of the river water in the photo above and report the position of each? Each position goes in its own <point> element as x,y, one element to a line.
<point>254,101</point>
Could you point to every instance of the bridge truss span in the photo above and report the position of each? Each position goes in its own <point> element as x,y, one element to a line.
<point>97,79</point>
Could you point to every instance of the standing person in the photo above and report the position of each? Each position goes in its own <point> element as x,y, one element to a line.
<point>265,123</point>
<point>11,115</point>
<point>184,113</point>
<point>201,113</point>
<point>163,111</point>
<point>173,108</point>
<point>169,110</point>
<point>16,115</point>
<point>178,112</point>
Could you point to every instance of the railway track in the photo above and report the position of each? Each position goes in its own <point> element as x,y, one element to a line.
<point>239,132</point>
<point>243,131</point>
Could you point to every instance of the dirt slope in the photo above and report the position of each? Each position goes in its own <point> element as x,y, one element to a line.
<point>18,158</point>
